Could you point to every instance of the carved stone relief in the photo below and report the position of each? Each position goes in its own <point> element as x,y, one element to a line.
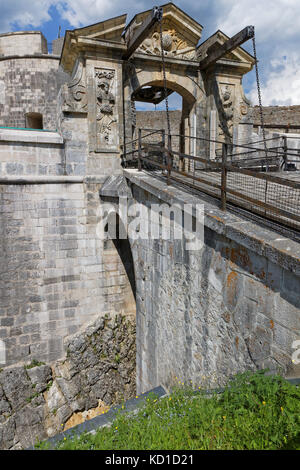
<point>244,105</point>
<point>106,101</point>
<point>74,92</point>
<point>243,109</point>
<point>226,110</point>
<point>174,44</point>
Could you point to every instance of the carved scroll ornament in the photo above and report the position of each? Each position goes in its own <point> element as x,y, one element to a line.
<point>74,93</point>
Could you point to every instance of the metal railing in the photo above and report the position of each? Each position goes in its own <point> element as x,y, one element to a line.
<point>227,178</point>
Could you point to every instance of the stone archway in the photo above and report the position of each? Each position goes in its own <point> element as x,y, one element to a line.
<point>118,259</point>
<point>187,124</point>
<point>176,81</point>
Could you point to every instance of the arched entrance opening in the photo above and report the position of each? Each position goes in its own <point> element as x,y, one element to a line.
<point>119,268</point>
<point>146,94</point>
<point>152,114</point>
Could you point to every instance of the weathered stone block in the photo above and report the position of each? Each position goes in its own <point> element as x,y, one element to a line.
<point>16,386</point>
<point>40,376</point>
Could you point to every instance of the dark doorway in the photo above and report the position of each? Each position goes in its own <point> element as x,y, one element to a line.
<point>34,121</point>
<point>118,252</point>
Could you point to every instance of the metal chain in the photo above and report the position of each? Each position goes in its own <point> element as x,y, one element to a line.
<point>261,114</point>
<point>259,97</point>
<point>164,77</point>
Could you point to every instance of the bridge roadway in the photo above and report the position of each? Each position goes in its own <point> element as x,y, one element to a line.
<point>269,199</point>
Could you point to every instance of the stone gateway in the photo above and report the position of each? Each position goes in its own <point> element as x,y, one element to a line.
<point>87,321</point>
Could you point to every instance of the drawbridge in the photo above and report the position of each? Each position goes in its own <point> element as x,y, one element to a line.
<point>258,184</point>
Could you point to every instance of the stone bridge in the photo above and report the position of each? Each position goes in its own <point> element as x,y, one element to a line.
<point>205,314</point>
<point>71,300</point>
<point>87,320</point>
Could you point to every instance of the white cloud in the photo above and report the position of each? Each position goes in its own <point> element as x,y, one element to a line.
<point>282,84</point>
<point>24,13</point>
<point>271,18</point>
<point>33,13</point>
<point>82,13</point>
<point>277,26</point>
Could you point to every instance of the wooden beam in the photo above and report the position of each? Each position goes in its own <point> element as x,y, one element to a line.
<point>228,46</point>
<point>135,40</point>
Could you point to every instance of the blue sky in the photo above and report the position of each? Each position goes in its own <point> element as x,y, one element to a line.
<point>277,24</point>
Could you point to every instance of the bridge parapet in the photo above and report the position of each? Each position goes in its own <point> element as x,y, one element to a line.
<point>204,315</point>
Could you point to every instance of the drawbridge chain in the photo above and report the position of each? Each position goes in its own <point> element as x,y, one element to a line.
<point>259,98</point>
<point>165,81</point>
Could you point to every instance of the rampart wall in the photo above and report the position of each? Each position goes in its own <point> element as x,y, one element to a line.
<point>30,79</point>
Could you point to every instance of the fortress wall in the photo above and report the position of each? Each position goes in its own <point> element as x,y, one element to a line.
<point>282,115</point>
<point>31,159</point>
<point>56,274</point>
<point>158,120</point>
<point>42,153</point>
<point>39,400</point>
<point>29,84</point>
<point>22,43</point>
<point>24,153</point>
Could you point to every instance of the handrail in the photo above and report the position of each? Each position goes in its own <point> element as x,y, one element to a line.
<point>147,135</point>
<point>218,179</point>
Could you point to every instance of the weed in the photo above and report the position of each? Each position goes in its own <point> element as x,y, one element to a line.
<point>34,363</point>
<point>255,411</point>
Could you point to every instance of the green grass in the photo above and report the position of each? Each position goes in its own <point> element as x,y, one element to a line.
<point>34,363</point>
<point>255,412</point>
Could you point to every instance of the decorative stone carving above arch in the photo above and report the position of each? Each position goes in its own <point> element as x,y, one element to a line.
<point>174,44</point>
<point>181,34</point>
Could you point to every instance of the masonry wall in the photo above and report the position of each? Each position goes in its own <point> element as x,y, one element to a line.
<point>24,153</point>
<point>22,42</point>
<point>158,120</point>
<point>56,274</point>
<point>287,116</point>
<point>206,315</point>
<point>41,153</point>
<point>281,115</point>
<point>30,84</point>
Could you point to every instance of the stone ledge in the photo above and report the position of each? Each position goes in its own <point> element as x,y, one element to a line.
<point>31,136</point>
<point>20,33</point>
<point>11,180</point>
<point>264,241</point>
<point>115,186</point>
<point>29,56</point>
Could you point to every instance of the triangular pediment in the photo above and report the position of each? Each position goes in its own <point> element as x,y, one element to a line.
<point>218,39</point>
<point>109,30</point>
<point>181,33</point>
